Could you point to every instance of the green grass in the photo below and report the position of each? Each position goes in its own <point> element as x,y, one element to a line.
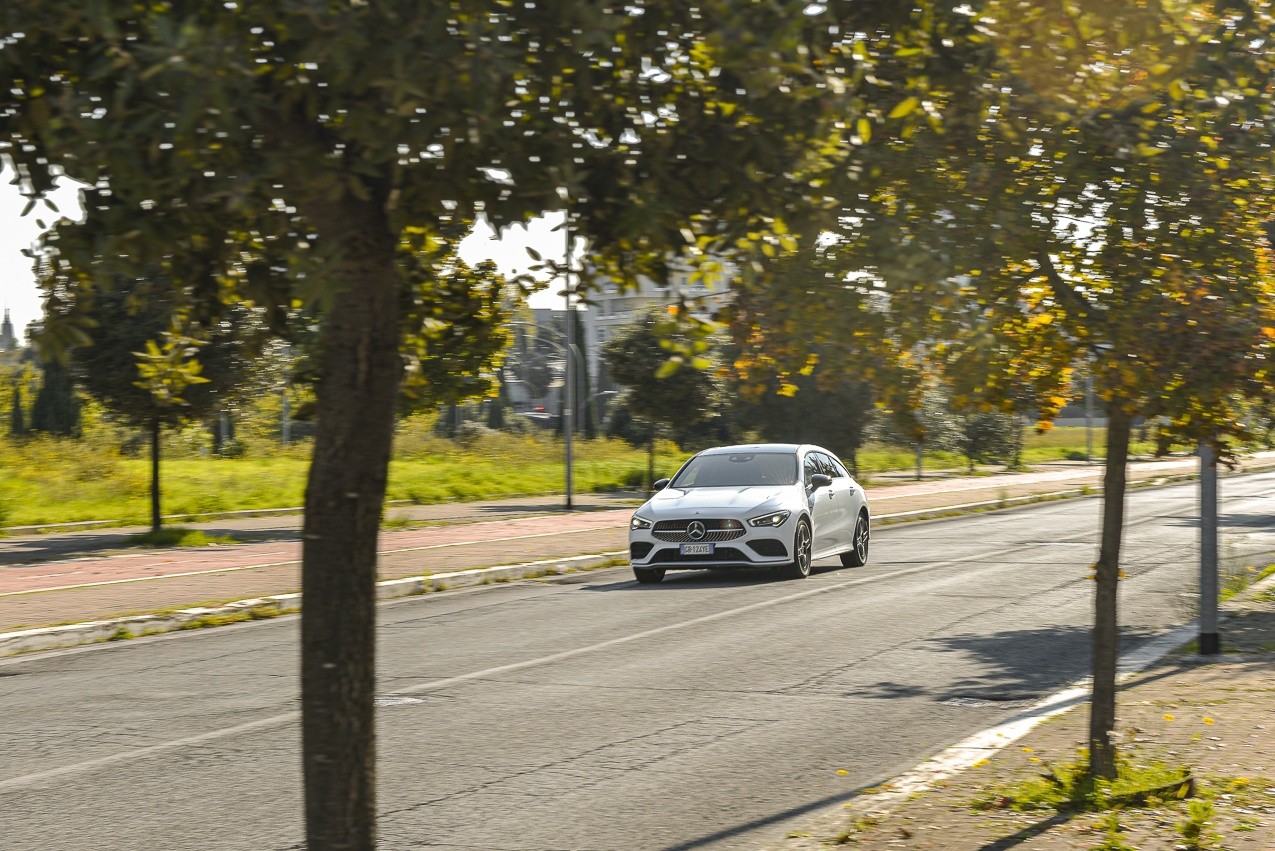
<point>48,480</point>
<point>58,481</point>
<point>1235,583</point>
<point>1057,444</point>
<point>177,536</point>
<point>1068,788</point>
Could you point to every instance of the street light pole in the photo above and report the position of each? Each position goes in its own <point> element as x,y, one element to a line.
<point>568,385</point>
<point>1210,642</point>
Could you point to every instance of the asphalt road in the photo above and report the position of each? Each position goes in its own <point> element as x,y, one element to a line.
<point>586,712</point>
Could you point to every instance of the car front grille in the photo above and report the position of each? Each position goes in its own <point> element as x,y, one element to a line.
<point>675,531</point>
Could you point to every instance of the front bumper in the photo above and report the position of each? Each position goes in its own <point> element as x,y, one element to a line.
<point>733,543</point>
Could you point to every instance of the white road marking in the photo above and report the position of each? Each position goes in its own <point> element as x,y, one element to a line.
<point>1147,652</point>
<point>25,780</point>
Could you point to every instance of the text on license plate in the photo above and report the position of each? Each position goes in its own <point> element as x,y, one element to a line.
<point>697,549</point>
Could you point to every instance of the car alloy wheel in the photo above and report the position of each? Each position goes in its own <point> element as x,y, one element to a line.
<point>802,546</point>
<point>858,556</point>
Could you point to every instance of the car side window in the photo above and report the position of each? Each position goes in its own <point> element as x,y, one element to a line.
<point>832,468</point>
<point>809,467</point>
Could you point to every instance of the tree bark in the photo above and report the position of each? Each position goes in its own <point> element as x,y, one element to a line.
<point>156,518</point>
<point>357,395</point>
<point>1102,712</point>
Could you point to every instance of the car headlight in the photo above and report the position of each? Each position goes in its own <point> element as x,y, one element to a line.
<point>639,523</point>
<point>775,519</point>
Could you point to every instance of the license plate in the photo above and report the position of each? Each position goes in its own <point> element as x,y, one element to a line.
<point>697,549</point>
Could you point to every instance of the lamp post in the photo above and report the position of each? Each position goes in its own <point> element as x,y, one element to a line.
<point>568,426</point>
<point>1210,642</point>
<point>572,360</point>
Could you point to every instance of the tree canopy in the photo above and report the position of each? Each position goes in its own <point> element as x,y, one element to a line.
<point>278,152</point>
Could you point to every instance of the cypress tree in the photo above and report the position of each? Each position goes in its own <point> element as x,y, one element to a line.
<point>17,420</point>
<point>56,409</point>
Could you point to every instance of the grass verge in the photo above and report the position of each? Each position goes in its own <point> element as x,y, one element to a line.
<point>178,536</point>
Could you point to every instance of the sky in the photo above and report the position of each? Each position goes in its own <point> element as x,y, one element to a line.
<point>18,293</point>
<point>20,296</point>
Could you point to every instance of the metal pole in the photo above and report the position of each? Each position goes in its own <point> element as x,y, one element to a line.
<point>1089,418</point>
<point>285,419</point>
<point>1210,642</point>
<point>568,388</point>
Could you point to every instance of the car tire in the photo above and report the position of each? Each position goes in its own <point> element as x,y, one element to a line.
<point>648,575</point>
<point>858,555</point>
<point>802,552</point>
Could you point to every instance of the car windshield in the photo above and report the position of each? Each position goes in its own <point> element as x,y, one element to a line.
<point>738,470</point>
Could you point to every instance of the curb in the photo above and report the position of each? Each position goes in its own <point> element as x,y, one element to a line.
<point>136,626</point>
<point>987,742</point>
<point>261,608</point>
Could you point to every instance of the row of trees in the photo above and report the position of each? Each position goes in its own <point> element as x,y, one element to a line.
<point>999,190</point>
<point>708,403</point>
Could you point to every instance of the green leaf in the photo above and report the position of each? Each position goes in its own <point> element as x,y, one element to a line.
<point>669,367</point>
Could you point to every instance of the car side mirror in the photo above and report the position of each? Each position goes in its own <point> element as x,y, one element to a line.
<point>820,480</point>
<point>660,484</point>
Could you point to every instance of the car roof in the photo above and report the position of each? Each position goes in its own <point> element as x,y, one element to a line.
<point>763,447</point>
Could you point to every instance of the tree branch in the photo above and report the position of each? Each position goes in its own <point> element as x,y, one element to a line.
<point>1067,295</point>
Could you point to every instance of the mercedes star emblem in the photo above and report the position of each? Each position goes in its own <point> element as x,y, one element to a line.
<point>696,530</point>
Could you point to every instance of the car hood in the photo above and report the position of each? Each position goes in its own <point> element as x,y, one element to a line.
<point>726,502</point>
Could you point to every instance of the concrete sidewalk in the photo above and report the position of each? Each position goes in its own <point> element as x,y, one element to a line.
<point>78,576</point>
<point>1207,715</point>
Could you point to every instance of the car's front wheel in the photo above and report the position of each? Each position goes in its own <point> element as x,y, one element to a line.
<point>858,556</point>
<point>802,552</point>
<point>648,575</point>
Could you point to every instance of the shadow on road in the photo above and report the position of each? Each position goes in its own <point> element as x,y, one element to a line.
<point>692,580</point>
<point>1016,666</point>
<point>1227,521</point>
<point>775,818</point>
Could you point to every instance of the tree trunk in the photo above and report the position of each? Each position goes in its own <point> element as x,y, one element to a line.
<point>1102,712</point>
<point>357,396</point>
<point>156,520</point>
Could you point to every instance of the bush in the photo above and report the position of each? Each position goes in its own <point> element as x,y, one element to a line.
<point>469,434</point>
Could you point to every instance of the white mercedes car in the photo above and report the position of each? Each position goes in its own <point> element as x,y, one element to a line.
<point>775,505</point>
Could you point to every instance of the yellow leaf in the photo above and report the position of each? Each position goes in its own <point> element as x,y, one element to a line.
<point>864,129</point>
<point>904,107</point>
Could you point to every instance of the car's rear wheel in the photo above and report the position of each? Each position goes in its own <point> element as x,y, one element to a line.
<point>802,552</point>
<point>858,555</point>
<point>648,575</point>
